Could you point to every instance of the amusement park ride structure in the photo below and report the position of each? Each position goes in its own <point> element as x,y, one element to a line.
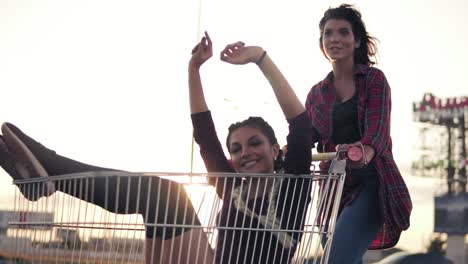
<point>449,120</point>
<point>446,122</point>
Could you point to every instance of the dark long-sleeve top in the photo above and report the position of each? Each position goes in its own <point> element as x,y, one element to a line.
<point>373,111</point>
<point>290,198</point>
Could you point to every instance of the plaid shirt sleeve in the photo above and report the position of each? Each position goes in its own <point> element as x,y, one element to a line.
<point>377,113</point>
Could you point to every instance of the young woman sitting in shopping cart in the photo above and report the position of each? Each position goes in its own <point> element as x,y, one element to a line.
<point>267,203</point>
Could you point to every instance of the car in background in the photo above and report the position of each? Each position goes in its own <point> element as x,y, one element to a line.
<point>415,258</point>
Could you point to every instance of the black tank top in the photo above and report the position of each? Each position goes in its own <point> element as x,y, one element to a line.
<point>345,122</point>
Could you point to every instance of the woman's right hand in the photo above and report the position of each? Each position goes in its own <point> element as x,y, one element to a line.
<point>359,163</point>
<point>202,51</point>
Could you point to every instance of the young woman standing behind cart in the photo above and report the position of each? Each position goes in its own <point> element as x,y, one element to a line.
<point>351,107</point>
<point>264,203</point>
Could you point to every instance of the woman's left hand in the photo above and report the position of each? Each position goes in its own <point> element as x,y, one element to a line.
<point>238,53</point>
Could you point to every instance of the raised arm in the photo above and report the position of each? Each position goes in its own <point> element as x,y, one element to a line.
<point>204,131</point>
<point>238,53</point>
<point>200,54</point>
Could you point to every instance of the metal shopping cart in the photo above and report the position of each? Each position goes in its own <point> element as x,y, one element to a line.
<point>257,218</point>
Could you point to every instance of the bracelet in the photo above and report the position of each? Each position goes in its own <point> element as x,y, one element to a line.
<point>261,58</point>
<point>364,154</point>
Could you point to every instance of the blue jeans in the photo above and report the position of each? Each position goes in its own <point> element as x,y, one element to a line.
<point>357,225</point>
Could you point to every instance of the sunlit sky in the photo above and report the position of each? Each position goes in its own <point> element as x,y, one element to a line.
<point>105,82</point>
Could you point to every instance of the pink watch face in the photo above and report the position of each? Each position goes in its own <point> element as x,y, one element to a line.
<point>354,153</point>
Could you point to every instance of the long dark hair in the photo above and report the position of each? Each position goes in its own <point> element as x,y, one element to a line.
<point>265,128</point>
<point>368,46</point>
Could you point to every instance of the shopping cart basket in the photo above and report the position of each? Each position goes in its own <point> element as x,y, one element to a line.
<point>247,218</point>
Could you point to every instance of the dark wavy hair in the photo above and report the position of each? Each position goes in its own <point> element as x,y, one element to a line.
<point>368,46</point>
<point>265,128</point>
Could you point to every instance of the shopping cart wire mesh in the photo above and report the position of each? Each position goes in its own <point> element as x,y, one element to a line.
<point>109,217</point>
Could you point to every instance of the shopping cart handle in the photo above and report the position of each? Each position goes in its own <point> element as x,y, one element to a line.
<point>353,154</point>
<point>323,156</point>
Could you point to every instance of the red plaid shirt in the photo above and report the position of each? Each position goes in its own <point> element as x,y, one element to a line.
<point>374,106</point>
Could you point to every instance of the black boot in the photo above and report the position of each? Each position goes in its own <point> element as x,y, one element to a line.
<point>22,164</point>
